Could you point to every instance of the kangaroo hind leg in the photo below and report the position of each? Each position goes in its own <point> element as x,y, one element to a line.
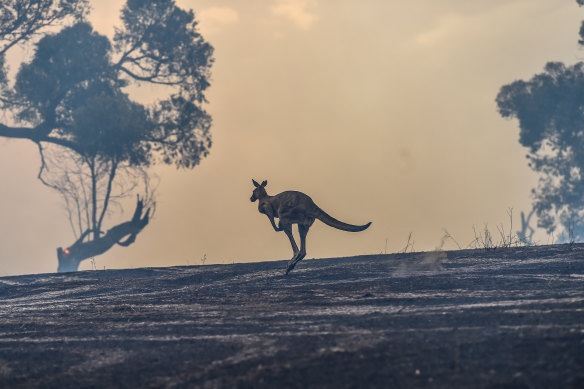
<point>288,230</point>
<point>303,231</point>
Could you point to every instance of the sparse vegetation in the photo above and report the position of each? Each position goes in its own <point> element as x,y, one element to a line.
<point>570,232</point>
<point>505,237</point>
<point>409,245</point>
<point>485,240</point>
<point>447,236</point>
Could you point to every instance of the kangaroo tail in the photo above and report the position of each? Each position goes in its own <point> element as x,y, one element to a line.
<point>331,221</point>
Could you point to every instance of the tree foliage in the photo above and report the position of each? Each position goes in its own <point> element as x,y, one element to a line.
<point>21,20</point>
<point>581,41</point>
<point>74,91</point>
<point>550,111</point>
<point>24,20</point>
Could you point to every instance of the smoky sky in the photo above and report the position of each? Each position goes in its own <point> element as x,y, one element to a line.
<point>381,111</point>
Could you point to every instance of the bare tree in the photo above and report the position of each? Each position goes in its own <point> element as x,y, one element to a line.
<point>93,188</point>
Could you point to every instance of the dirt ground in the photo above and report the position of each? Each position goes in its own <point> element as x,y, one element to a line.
<point>506,318</point>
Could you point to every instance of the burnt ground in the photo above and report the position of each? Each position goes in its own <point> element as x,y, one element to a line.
<point>505,318</point>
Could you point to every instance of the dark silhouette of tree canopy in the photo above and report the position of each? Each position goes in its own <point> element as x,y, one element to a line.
<point>550,111</point>
<point>20,20</point>
<point>581,41</point>
<point>71,99</point>
<point>23,20</point>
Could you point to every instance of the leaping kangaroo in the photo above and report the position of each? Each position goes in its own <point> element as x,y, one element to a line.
<point>293,207</point>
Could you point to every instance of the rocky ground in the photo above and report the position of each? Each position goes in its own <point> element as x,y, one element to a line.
<point>505,318</point>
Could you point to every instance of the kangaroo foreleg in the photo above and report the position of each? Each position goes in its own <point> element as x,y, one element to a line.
<point>276,228</point>
<point>267,210</point>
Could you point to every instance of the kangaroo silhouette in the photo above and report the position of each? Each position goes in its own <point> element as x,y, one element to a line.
<point>292,207</point>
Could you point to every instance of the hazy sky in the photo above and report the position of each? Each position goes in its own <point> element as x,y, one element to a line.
<point>381,111</point>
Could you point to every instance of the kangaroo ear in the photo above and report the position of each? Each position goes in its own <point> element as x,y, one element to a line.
<point>264,183</point>
<point>255,183</point>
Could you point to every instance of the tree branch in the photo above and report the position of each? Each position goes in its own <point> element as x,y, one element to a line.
<point>151,79</point>
<point>37,134</point>
<point>110,181</point>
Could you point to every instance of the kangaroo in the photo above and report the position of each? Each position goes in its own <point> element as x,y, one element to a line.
<point>293,207</point>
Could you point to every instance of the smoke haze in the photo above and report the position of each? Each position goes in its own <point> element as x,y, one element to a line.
<point>381,111</point>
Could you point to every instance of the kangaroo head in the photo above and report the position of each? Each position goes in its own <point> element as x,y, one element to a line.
<point>259,191</point>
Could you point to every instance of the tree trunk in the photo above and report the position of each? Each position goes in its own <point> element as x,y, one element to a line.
<point>70,257</point>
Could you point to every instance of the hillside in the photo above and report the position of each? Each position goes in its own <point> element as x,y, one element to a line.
<point>506,318</point>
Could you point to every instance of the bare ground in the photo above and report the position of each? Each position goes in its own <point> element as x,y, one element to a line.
<point>506,318</point>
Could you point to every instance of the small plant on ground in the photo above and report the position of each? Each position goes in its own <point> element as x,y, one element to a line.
<point>508,239</point>
<point>448,236</point>
<point>409,245</point>
<point>484,239</point>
